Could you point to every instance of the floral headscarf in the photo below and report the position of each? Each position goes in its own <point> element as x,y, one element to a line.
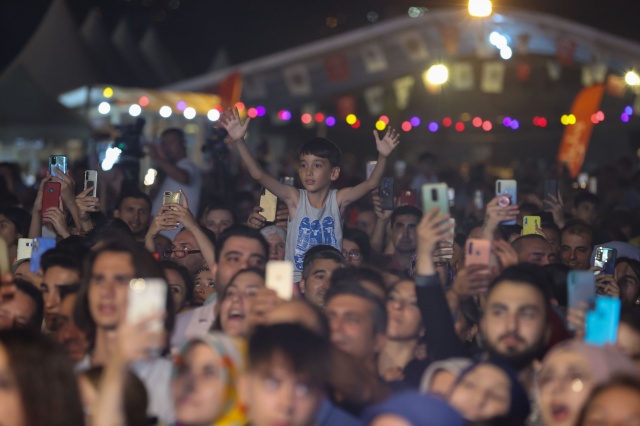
<point>233,353</point>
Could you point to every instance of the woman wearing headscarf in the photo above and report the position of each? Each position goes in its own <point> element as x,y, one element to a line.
<point>205,382</point>
<point>568,374</point>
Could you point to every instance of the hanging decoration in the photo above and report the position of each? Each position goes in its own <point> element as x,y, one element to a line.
<point>462,77</point>
<point>298,80</point>
<point>374,99</point>
<point>414,46</point>
<point>403,88</point>
<point>492,77</point>
<point>374,58</point>
<point>337,66</point>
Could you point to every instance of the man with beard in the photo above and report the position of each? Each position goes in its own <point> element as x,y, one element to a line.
<point>404,220</point>
<point>514,325</point>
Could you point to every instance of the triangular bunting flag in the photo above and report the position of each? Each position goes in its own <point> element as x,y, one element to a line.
<point>403,87</point>
<point>374,58</point>
<point>492,77</point>
<point>374,99</point>
<point>414,46</point>
<point>298,80</point>
<point>337,66</point>
<point>462,77</point>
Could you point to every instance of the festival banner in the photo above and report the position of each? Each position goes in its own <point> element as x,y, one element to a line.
<point>414,46</point>
<point>575,141</point>
<point>374,99</point>
<point>346,105</point>
<point>337,66</point>
<point>230,90</point>
<point>492,77</point>
<point>523,71</point>
<point>565,52</point>
<point>298,80</point>
<point>403,87</point>
<point>554,70</point>
<point>253,87</point>
<point>373,57</point>
<point>450,38</point>
<point>462,77</point>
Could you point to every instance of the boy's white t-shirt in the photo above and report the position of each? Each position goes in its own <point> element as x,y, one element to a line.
<point>311,227</point>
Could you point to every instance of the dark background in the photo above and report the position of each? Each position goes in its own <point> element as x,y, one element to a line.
<point>194,30</point>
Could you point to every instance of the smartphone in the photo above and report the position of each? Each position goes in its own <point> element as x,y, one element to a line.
<point>25,246</point>
<point>91,180</point>
<point>601,324</point>
<point>507,187</point>
<point>147,296</point>
<point>477,252</point>
<point>451,196</point>
<point>478,200</point>
<point>606,259</point>
<point>592,186</point>
<point>435,195</point>
<point>288,180</point>
<point>50,195</point>
<point>550,189</point>
<point>449,239</point>
<point>269,204</point>
<point>57,165</point>
<point>581,287</point>
<point>370,166</point>
<point>5,262</point>
<point>40,247</point>
<point>408,197</point>
<point>171,197</point>
<point>279,277</point>
<point>386,193</point>
<point>583,179</point>
<point>530,224</point>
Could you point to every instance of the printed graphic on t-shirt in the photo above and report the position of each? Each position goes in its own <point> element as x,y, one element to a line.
<point>311,234</point>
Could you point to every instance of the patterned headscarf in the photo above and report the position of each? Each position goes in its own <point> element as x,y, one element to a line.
<point>233,353</point>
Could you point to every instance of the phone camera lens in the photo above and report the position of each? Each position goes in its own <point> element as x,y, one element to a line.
<point>53,160</point>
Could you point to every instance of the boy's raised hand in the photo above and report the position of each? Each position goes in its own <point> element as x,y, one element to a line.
<point>388,143</point>
<point>235,128</point>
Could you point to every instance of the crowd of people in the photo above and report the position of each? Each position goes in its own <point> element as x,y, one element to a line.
<point>389,324</point>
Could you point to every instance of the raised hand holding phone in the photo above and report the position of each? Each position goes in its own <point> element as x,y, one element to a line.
<point>279,277</point>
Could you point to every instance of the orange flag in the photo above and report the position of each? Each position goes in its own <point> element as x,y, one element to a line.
<point>230,90</point>
<point>575,140</point>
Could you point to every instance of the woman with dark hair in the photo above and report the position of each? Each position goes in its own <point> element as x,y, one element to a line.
<point>37,383</point>
<point>236,302</point>
<point>616,402</point>
<point>101,310</point>
<point>180,285</point>
<point>356,247</point>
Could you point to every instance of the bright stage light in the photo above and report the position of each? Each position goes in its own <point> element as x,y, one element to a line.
<point>104,108</point>
<point>480,8</point>
<point>135,110</point>
<point>632,78</point>
<point>189,113</point>
<point>213,115</point>
<point>165,111</point>
<point>437,74</point>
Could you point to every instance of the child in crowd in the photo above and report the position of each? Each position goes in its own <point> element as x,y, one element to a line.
<point>315,211</point>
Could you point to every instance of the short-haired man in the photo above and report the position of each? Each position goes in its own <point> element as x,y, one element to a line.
<point>287,375</point>
<point>238,247</point>
<point>358,322</point>
<point>533,248</point>
<point>318,266</point>
<point>66,332</point>
<point>134,208</point>
<point>404,220</point>
<point>366,221</point>
<point>576,245</point>
<point>180,172</point>
<point>62,269</point>
<point>21,307</point>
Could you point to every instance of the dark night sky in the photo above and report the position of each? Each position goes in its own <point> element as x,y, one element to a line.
<point>250,28</point>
